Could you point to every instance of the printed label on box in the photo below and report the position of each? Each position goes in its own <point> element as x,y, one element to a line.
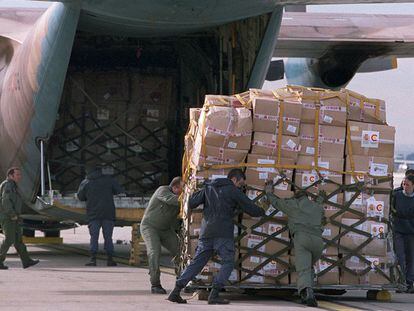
<point>255,259</point>
<point>310,150</point>
<point>275,228</point>
<point>266,169</point>
<point>256,279</point>
<point>357,201</point>
<point>291,128</point>
<point>233,276</point>
<point>370,139</point>
<point>270,210</point>
<point>270,266</point>
<point>102,114</point>
<point>72,145</point>
<point>333,199</point>
<point>374,261</point>
<point>308,179</point>
<point>263,176</point>
<point>359,177</point>
<point>327,119</point>
<point>251,243</point>
<point>377,229</point>
<point>215,176</point>
<point>327,232</point>
<point>323,164</point>
<point>202,277</point>
<point>375,208</point>
<point>281,186</point>
<point>232,145</point>
<point>378,169</point>
<point>291,144</point>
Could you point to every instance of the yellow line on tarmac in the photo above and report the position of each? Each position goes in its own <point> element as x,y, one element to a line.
<point>335,306</point>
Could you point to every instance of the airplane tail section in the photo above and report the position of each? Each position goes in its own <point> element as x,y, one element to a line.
<point>31,90</point>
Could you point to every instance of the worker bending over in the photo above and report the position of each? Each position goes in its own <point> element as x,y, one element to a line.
<point>221,197</point>
<point>305,217</point>
<point>158,228</point>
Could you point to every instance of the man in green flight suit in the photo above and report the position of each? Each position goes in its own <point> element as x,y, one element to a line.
<point>158,228</point>
<point>305,217</point>
<point>10,210</point>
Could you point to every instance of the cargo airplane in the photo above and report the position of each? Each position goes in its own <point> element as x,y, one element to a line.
<point>222,46</point>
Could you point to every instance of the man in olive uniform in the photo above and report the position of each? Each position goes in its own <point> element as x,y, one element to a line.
<point>305,217</point>
<point>158,228</point>
<point>11,208</point>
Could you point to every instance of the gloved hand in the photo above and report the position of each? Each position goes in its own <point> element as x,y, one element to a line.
<point>268,187</point>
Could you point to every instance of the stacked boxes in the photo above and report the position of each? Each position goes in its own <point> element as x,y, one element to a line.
<point>369,158</point>
<point>224,132</point>
<point>118,118</point>
<point>302,136</point>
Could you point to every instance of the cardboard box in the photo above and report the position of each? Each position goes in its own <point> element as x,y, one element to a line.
<point>330,277</point>
<point>209,155</point>
<point>255,234</point>
<point>257,176</point>
<point>371,139</point>
<point>369,205</point>
<point>268,272</point>
<point>266,144</point>
<point>280,93</point>
<point>367,273</point>
<point>330,140</point>
<point>363,109</point>
<point>206,276</point>
<point>352,240</point>
<point>305,178</point>
<point>375,166</point>
<point>107,86</point>
<point>332,106</point>
<point>230,101</point>
<point>263,203</point>
<point>226,127</point>
<point>211,174</point>
<point>266,115</point>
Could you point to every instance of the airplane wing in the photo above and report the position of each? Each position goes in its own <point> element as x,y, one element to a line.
<point>314,35</point>
<point>15,23</point>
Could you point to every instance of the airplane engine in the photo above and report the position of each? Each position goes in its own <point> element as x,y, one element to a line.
<point>328,72</point>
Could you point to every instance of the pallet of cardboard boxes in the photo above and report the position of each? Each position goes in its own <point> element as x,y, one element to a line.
<point>302,139</point>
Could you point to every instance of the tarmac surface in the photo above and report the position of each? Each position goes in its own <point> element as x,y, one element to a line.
<point>62,282</point>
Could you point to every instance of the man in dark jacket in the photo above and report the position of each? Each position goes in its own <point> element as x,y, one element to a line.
<point>158,228</point>
<point>220,198</point>
<point>98,191</point>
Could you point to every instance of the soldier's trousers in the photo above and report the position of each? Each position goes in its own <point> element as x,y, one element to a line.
<point>308,250</point>
<point>94,227</point>
<point>13,235</point>
<point>224,247</point>
<point>154,239</point>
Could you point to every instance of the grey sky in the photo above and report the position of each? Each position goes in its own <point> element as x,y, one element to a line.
<point>395,86</point>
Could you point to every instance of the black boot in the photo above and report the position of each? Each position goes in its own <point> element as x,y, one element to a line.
<point>92,261</point>
<point>30,263</point>
<point>214,298</point>
<point>175,295</point>
<point>158,289</point>
<point>3,267</point>
<point>308,297</point>
<point>110,262</point>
